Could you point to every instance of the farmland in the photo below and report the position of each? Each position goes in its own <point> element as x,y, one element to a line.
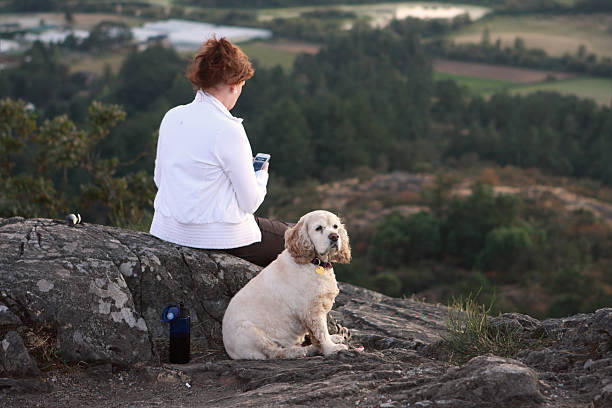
<point>497,72</point>
<point>556,34</point>
<point>476,85</point>
<point>271,53</point>
<point>597,89</point>
<point>97,64</point>
<point>80,21</point>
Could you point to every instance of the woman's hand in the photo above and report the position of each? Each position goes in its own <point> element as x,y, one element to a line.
<point>265,166</point>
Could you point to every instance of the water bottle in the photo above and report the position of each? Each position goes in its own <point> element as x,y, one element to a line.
<point>180,336</point>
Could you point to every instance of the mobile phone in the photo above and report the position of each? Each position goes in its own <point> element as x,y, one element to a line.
<point>260,160</point>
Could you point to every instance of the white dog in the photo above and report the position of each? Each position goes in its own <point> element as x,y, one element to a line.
<point>270,316</point>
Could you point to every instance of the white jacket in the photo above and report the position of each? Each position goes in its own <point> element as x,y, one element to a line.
<point>204,175</point>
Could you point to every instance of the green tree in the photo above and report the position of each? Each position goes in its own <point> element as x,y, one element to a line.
<point>16,128</point>
<point>470,220</point>
<point>504,248</point>
<point>146,76</point>
<point>62,169</point>
<point>286,136</point>
<point>399,240</point>
<point>485,41</point>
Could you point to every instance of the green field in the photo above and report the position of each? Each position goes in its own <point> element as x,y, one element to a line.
<point>556,34</point>
<point>597,89</point>
<point>97,63</point>
<point>263,55</point>
<point>475,85</point>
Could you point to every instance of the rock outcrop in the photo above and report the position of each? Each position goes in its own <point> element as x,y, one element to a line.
<point>15,359</point>
<point>96,293</point>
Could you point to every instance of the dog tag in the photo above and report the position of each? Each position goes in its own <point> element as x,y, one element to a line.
<point>320,270</point>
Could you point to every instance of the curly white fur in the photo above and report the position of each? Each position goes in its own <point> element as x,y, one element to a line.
<point>288,299</point>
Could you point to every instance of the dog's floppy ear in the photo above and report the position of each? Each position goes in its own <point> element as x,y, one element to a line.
<point>298,243</point>
<point>344,253</point>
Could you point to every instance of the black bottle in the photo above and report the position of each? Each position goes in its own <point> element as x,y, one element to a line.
<point>180,337</point>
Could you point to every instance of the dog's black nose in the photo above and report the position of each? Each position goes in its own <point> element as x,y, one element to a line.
<point>333,236</point>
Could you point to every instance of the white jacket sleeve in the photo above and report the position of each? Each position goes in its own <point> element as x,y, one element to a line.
<point>157,173</point>
<point>236,157</point>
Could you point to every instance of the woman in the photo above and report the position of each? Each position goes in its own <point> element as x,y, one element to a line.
<point>207,187</point>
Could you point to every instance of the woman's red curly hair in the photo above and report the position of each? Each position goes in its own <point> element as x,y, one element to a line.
<point>219,62</point>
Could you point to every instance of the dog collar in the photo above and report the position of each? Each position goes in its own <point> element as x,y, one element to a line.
<point>321,266</point>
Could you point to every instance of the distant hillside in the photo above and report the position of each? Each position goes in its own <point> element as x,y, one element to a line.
<point>528,242</point>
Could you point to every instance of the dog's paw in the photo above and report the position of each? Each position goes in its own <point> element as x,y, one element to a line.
<point>337,338</point>
<point>343,332</point>
<point>334,348</point>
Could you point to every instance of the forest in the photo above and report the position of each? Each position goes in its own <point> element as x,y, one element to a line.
<point>365,103</point>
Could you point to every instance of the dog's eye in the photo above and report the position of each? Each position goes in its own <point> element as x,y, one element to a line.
<point>319,228</point>
<point>335,226</point>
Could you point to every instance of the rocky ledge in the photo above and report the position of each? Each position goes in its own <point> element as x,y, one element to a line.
<point>80,326</point>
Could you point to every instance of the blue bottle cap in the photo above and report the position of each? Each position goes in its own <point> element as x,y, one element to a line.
<point>170,313</point>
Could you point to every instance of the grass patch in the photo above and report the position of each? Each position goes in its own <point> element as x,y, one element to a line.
<point>470,334</point>
<point>475,85</point>
<point>266,56</point>
<point>598,89</point>
<point>97,63</point>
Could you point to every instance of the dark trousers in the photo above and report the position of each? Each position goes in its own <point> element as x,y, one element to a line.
<point>272,243</point>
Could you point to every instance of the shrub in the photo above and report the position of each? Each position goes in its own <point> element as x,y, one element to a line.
<point>399,240</point>
<point>426,274</point>
<point>387,283</point>
<point>470,220</point>
<point>503,248</point>
<point>565,305</point>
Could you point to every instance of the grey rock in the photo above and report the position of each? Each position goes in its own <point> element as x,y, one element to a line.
<point>65,278</point>
<point>604,363</point>
<point>8,318</point>
<point>319,381</point>
<point>584,333</point>
<point>102,290</point>
<point>516,322</point>
<point>604,400</point>
<point>546,359</point>
<point>577,359</point>
<point>15,358</point>
<point>380,322</point>
<point>485,379</point>
<point>23,385</point>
